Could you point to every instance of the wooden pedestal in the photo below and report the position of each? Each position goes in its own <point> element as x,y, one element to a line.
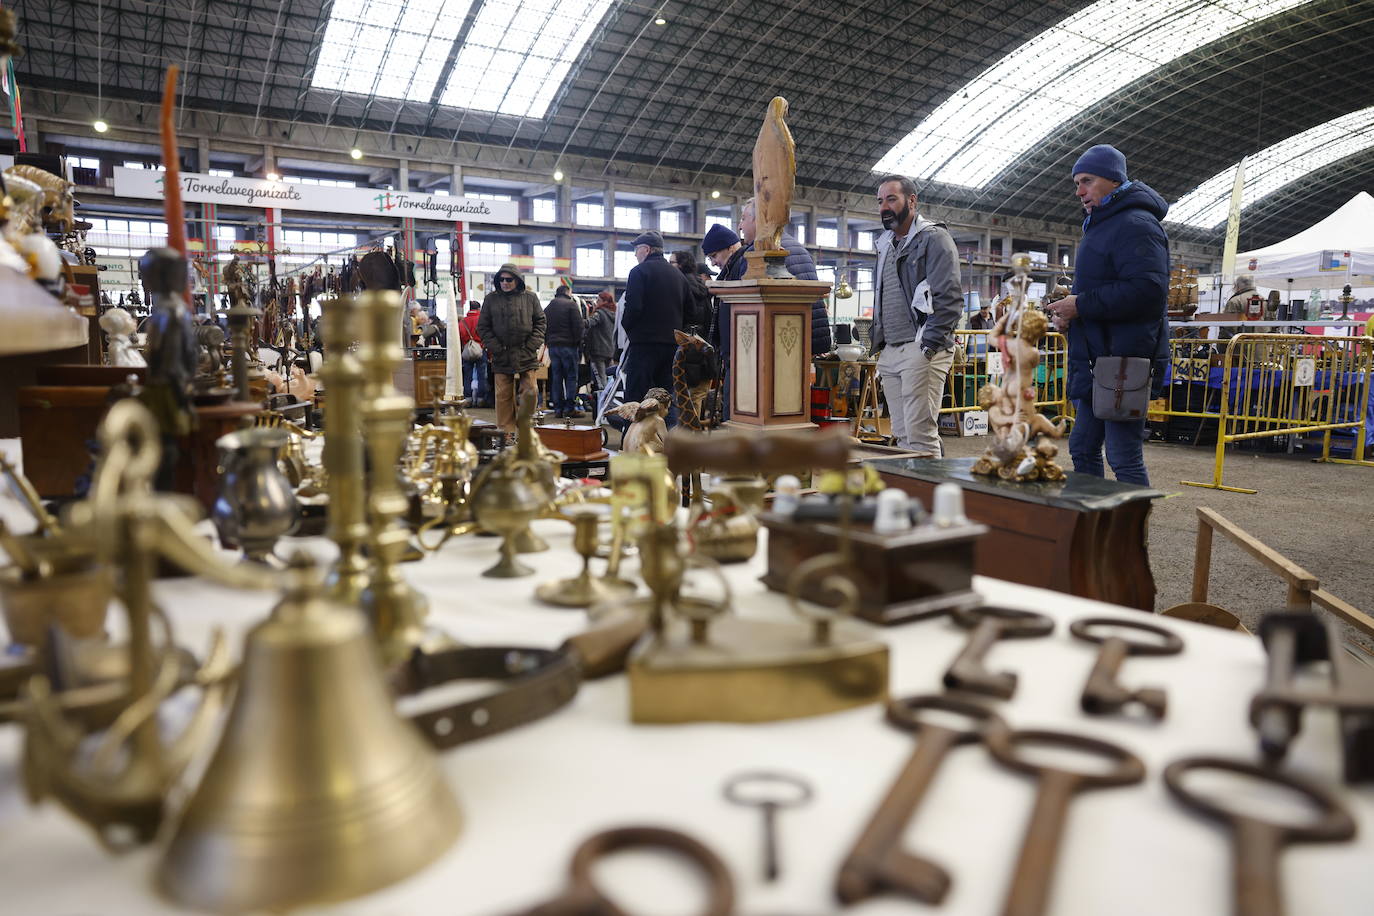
<point>1085,536</point>
<point>770,351</point>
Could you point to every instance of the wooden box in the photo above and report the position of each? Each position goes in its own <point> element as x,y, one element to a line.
<point>579,443</point>
<point>910,576</point>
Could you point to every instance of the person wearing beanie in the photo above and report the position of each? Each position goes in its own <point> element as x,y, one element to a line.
<point>563,337</point>
<point>1118,305</point>
<point>656,298</point>
<point>799,264</point>
<point>511,326</point>
<point>726,251</point>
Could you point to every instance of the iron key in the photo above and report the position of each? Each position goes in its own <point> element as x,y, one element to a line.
<point>1257,843</point>
<point>989,624</point>
<point>737,793</point>
<point>878,863</point>
<point>1030,884</point>
<point>1102,694</point>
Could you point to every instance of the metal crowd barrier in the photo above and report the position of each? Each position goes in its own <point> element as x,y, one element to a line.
<point>980,363</point>
<point>1275,385</point>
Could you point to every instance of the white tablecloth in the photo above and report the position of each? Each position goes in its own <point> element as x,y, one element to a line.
<point>529,796</point>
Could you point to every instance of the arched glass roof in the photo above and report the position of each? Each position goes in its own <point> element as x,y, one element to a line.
<point>1014,104</point>
<point>1271,169</point>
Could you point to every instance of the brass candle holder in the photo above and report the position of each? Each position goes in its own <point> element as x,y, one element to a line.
<point>584,589</point>
<point>343,449</point>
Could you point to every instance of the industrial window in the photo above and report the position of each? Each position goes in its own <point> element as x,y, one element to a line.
<point>368,48</point>
<point>1271,169</point>
<point>1016,103</point>
<point>544,253</point>
<point>670,221</point>
<point>799,232</point>
<point>624,263</point>
<point>828,236</point>
<point>591,262</point>
<point>589,214</point>
<point>629,218</point>
<point>864,241</point>
<point>84,162</point>
<point>544,209</point>
<point>221,173</point>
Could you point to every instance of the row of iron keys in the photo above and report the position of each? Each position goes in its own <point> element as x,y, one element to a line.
<point>879,862</point>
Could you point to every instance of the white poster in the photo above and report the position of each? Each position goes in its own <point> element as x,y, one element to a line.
<point>258,192</point>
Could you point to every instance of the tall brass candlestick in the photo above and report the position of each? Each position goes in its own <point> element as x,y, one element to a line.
<point>343,448</point>
<point>396,609</point>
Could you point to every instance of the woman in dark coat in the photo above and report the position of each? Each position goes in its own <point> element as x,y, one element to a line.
<point>563,336</point>
<point>697,314</point>
<point>599,341</point>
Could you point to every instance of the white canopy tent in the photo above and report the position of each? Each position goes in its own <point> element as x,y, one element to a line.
<point>1328,255</point>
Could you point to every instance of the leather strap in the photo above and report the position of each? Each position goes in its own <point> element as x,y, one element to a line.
<point>537,683</point>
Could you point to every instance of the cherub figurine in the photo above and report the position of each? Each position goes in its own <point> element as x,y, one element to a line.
<point>647,426</point>
<point>119,327</point>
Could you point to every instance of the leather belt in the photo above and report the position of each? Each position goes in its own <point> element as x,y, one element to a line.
<point>537,682</point>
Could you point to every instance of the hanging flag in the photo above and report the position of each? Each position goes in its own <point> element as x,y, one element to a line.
<point>1228,257</point>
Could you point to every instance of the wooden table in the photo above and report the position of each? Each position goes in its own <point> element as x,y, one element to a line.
<point>1083,535</point>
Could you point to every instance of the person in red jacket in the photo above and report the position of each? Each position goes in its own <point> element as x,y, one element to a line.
<point>474,368</point>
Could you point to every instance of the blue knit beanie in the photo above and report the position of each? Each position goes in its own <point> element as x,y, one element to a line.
<point>1103,161</point>
<point>718,238</point>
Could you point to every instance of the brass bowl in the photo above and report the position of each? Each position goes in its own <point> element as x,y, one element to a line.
<point>75,601</point>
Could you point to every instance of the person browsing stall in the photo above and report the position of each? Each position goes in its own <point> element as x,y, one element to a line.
<point>1118,305</point>
<point>511,326</point>
<point>916,305</point>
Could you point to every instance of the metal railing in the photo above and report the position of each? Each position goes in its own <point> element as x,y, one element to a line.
<point>1275,385</point>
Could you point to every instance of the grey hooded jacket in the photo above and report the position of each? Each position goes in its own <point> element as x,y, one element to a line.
<point>931,256</point>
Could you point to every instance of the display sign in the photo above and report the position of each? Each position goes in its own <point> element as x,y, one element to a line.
<point>1334,260</point>
<point>1304,373</point>
<point>976,423</point>
<point>258,192</point>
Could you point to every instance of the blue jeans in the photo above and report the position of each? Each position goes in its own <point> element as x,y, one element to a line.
<point>562,378</point>
<point>1125,441</point>
<point>475,378</point>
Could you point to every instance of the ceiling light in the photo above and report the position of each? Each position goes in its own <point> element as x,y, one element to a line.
<point>557,174</point>
<point>100,126</point>
<point>356,153</point>
<point>660,21</point>
<point>715,195</point>
<point>273,176</point>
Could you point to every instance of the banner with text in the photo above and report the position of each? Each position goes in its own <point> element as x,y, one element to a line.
<point>258,192</point>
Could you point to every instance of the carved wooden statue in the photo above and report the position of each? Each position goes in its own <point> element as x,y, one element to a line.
<point>1013,422</point>
<point>775,173</point>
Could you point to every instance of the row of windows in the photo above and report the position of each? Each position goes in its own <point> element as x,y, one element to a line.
<point>320,182</point>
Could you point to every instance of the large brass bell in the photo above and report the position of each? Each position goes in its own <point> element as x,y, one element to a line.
<point>318,790</point>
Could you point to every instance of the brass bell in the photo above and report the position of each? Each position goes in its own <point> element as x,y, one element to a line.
<point>318,790</point>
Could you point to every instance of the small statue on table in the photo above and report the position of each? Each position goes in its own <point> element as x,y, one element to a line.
<point>1013,422</point>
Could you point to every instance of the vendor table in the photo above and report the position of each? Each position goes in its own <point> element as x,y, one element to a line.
<point>1083,535</point>
<point>531,795</point>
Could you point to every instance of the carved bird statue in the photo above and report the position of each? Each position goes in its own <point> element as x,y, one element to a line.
<point>775,173</point>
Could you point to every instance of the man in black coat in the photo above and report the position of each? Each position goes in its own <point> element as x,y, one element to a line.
<point>563,336</point>
<point>800,265</point>
<point>655,296</point>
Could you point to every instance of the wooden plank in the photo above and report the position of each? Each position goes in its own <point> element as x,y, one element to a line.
<point>1202,559</point>
<point>1344,610</point>
<point>1291,572</point>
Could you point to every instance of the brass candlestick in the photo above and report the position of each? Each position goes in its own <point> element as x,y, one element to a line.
<point>584,589</point>
<point>343,448</point>
<point>396,609</point>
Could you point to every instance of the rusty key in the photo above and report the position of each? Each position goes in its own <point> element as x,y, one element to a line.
<point>1030,884</point>
<point>989,624</point>
<point>1102,695</point>
<point>877,863</point>
<point>1256,843</point>
<point>770,792</point>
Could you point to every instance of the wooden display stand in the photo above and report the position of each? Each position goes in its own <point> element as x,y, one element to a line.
<point>770,351</point>
<point>1083,536</point>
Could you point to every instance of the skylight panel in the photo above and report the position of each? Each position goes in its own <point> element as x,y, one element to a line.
<point>519,52</point>
<point>1271,169</point>
<point>394,49</point>
<point>985,126</point>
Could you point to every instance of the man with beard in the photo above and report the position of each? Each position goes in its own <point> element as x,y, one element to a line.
<point>916,305</point>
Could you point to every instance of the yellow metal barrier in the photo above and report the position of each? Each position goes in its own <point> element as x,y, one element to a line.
<point>1286,384</point>
<point>982,364</point>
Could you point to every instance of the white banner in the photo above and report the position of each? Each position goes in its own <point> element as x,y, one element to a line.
<point>258,192</point>
<point>1228,255</point>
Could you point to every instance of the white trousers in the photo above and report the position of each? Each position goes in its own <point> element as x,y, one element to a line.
<point>913,387</point>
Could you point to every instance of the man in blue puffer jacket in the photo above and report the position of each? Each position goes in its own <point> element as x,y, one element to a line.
<point>1120,292</point>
